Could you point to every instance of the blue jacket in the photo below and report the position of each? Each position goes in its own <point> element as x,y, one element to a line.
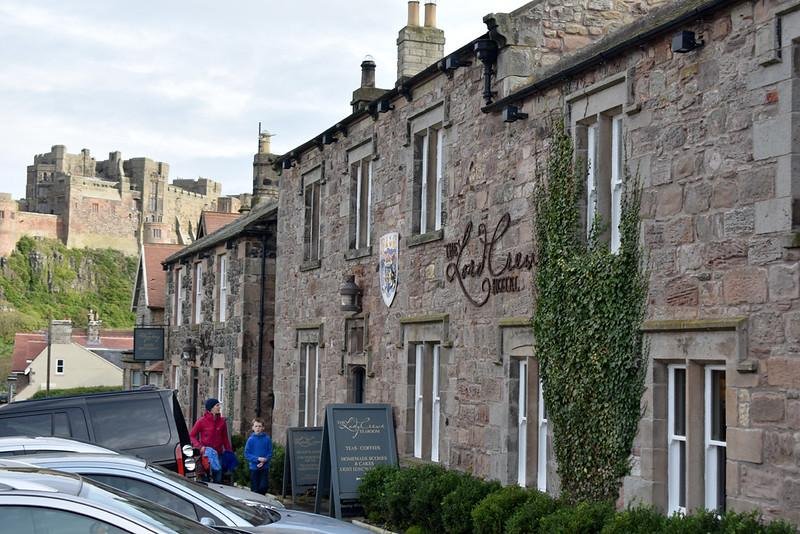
<point>258,445</point>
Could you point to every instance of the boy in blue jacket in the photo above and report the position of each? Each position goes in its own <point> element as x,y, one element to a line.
<point>258,453</point>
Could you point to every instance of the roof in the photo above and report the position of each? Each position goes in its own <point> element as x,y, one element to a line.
<point>157,367</point>
<point>239,226</point>
<point>151,271</point>
<point>658,21</point>
<point>28,346</point>
<point>211,221</point>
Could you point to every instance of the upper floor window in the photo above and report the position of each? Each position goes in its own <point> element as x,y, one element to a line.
<point>95,207</point>
<point>427,142</point>
<point>157,233</point>
<point>178,297</point>
<point>311,196</point>
<point>198,292</point>
<point>360,161</point>
<point>223,285</point>
<point>59,367</point>
<point>596,116</point>
<point>2,214</point>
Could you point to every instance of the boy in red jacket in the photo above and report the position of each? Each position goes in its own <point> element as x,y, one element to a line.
<point>211,431</point>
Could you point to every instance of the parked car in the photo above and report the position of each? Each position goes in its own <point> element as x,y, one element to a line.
<point>144,423</point>
<point>18,445</point>
<point>194,499</point>
<point>40,500</point>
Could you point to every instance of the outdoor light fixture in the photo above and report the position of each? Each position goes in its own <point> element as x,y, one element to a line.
<point>486,52</point>
<point>351,295</point>
<point>384,106</point>
<point>286,164</point>
<point>513,114</point>
<point>451,63</point>
<point>685,41</point>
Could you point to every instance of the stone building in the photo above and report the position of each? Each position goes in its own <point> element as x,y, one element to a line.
<point>117,203</point>
<point>447,160</point>
<point>219,307</point>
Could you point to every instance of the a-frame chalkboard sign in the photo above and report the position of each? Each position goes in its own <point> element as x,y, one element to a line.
<point>301,466</point>
<point>355,438</point>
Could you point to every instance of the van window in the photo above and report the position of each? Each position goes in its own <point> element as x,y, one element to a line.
<point>61,425</point>
<point>27,425</point>
<point>126,423</point>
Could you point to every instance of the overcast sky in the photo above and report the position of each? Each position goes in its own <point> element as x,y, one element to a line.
<point>187,81</point>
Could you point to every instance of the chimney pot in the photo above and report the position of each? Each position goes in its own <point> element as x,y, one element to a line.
<point>430,14</point>
<point>368,72</point>
<point>413,13</point>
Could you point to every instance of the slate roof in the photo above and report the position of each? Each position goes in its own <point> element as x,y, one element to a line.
<point>112,343</point>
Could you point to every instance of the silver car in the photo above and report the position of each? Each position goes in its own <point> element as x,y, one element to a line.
<point>40,500</point>
<point>14,445</point>
<point>193,499</point>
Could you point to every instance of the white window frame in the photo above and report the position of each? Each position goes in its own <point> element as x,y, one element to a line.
<point>178,297</point>
<point>617,176</point>
<point>419,401</point>
<point>591,182</point>
<point>223,286</point>
<point>177,381</point>
<point>522,424</point>
<point>712,447</point>
<point>198,292</point>
<point>60,364</point>
<point>541,464</point>
<point>221,385</point>
<point>311,403</point>
<point>361,181</point>
<point>424,185</point>
<point>673,443</point>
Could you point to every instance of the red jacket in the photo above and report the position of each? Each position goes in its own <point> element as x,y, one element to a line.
<point>211,431</point>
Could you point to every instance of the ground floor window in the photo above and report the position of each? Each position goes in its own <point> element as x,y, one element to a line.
<point>529,434</point>
<point>541,478</point>
<point>358,377</point>
<point>309,384</point>
<point>427,402</point>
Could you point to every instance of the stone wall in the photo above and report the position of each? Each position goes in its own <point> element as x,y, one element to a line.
<point>708,133</point>
<point>15,223</point>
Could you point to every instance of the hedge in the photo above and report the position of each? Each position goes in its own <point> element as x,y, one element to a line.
<point>43,394</point>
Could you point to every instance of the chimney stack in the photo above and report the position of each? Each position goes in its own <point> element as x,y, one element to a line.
<point>93,328</point>
<point>418,47</point>
<point>61,331</point>
<point>265,177</point>
<point>367,92</point>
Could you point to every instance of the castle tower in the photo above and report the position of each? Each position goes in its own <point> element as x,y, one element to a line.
<point>419,46</point>
<point>265,177</point>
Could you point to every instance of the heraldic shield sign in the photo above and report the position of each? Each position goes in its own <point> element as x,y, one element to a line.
<point>388,266</point>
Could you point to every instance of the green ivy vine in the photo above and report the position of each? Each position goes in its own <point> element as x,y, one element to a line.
<point>590,305</point>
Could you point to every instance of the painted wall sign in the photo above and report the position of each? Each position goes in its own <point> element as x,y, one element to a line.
<point>301,467</point>
<point>388,266</point>
<point>148,343</point>
<point>355,438</point>
<point>491,273</point>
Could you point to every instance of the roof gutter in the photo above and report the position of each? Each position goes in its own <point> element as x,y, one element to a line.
<point>603,55</point>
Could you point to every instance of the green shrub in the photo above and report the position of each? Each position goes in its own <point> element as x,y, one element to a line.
<point>639,520</point>
<point>426,503</point>
<point>399,491</point>
<point>458,504</point>
<point>276,468</point>
<point>584,518</point>
<point>42,394</point>
<point>372,493</point>
<point>526,519</point>
<point>491,514</point>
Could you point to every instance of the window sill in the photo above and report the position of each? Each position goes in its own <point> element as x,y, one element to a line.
<point>356,253</point>
<point>310,265</point>
<point>420,239</point>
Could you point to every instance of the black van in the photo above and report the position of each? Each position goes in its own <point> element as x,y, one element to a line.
<point>144,423</point>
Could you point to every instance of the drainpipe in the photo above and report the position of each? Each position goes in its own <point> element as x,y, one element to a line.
<point>261,321</point>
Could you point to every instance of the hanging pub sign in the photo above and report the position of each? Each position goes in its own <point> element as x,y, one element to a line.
<point>355,438</point>
<point>387,270</point>
<point>148,343</point>
<point>479,269</point>
<point>301,466</point>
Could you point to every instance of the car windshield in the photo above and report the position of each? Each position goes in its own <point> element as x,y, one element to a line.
<point>140,509</point>
<point>255,515</point>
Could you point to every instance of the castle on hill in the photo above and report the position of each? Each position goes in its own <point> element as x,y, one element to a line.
<point>114,203</point>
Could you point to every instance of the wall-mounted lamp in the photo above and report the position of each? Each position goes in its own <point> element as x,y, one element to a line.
<point>384,105</point>
<point>685,41</point>
<point>287,164</point>
<point>451,63</point>
<point>351,295</point>
<point>513,114</point>
<point>486,52</point>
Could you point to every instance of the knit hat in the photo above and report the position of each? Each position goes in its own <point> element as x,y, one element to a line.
<point>210,403</point>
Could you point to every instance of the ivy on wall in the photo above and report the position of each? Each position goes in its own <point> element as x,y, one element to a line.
<point>589,308</point>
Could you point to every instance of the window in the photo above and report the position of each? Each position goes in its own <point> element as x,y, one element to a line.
<point>95,207</point>
<point>427,208</point>
<point>522,423</point>
<point>715,437</point>
<point>178,298</point>
<point>309,384</point>
<point>223,286</point>
<point>157,233</point>
<point>427,403</point>
<point>2,214</point>
<point>221,385</point>
<point>360,196</point>
<point>358,377</point>
<point>676,438</point>
<point>311,195</point>
<point>59,367</point>
<point>541,475</point>
<point>148,492</point>
<point>604,175</point>
<point>177,382</point>
<point>137,379</point>
<point>37,519</point>
<point>145,423</point>
<point>198,292</point>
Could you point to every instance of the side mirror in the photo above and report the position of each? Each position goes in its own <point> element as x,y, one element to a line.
<point>207,521</point>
